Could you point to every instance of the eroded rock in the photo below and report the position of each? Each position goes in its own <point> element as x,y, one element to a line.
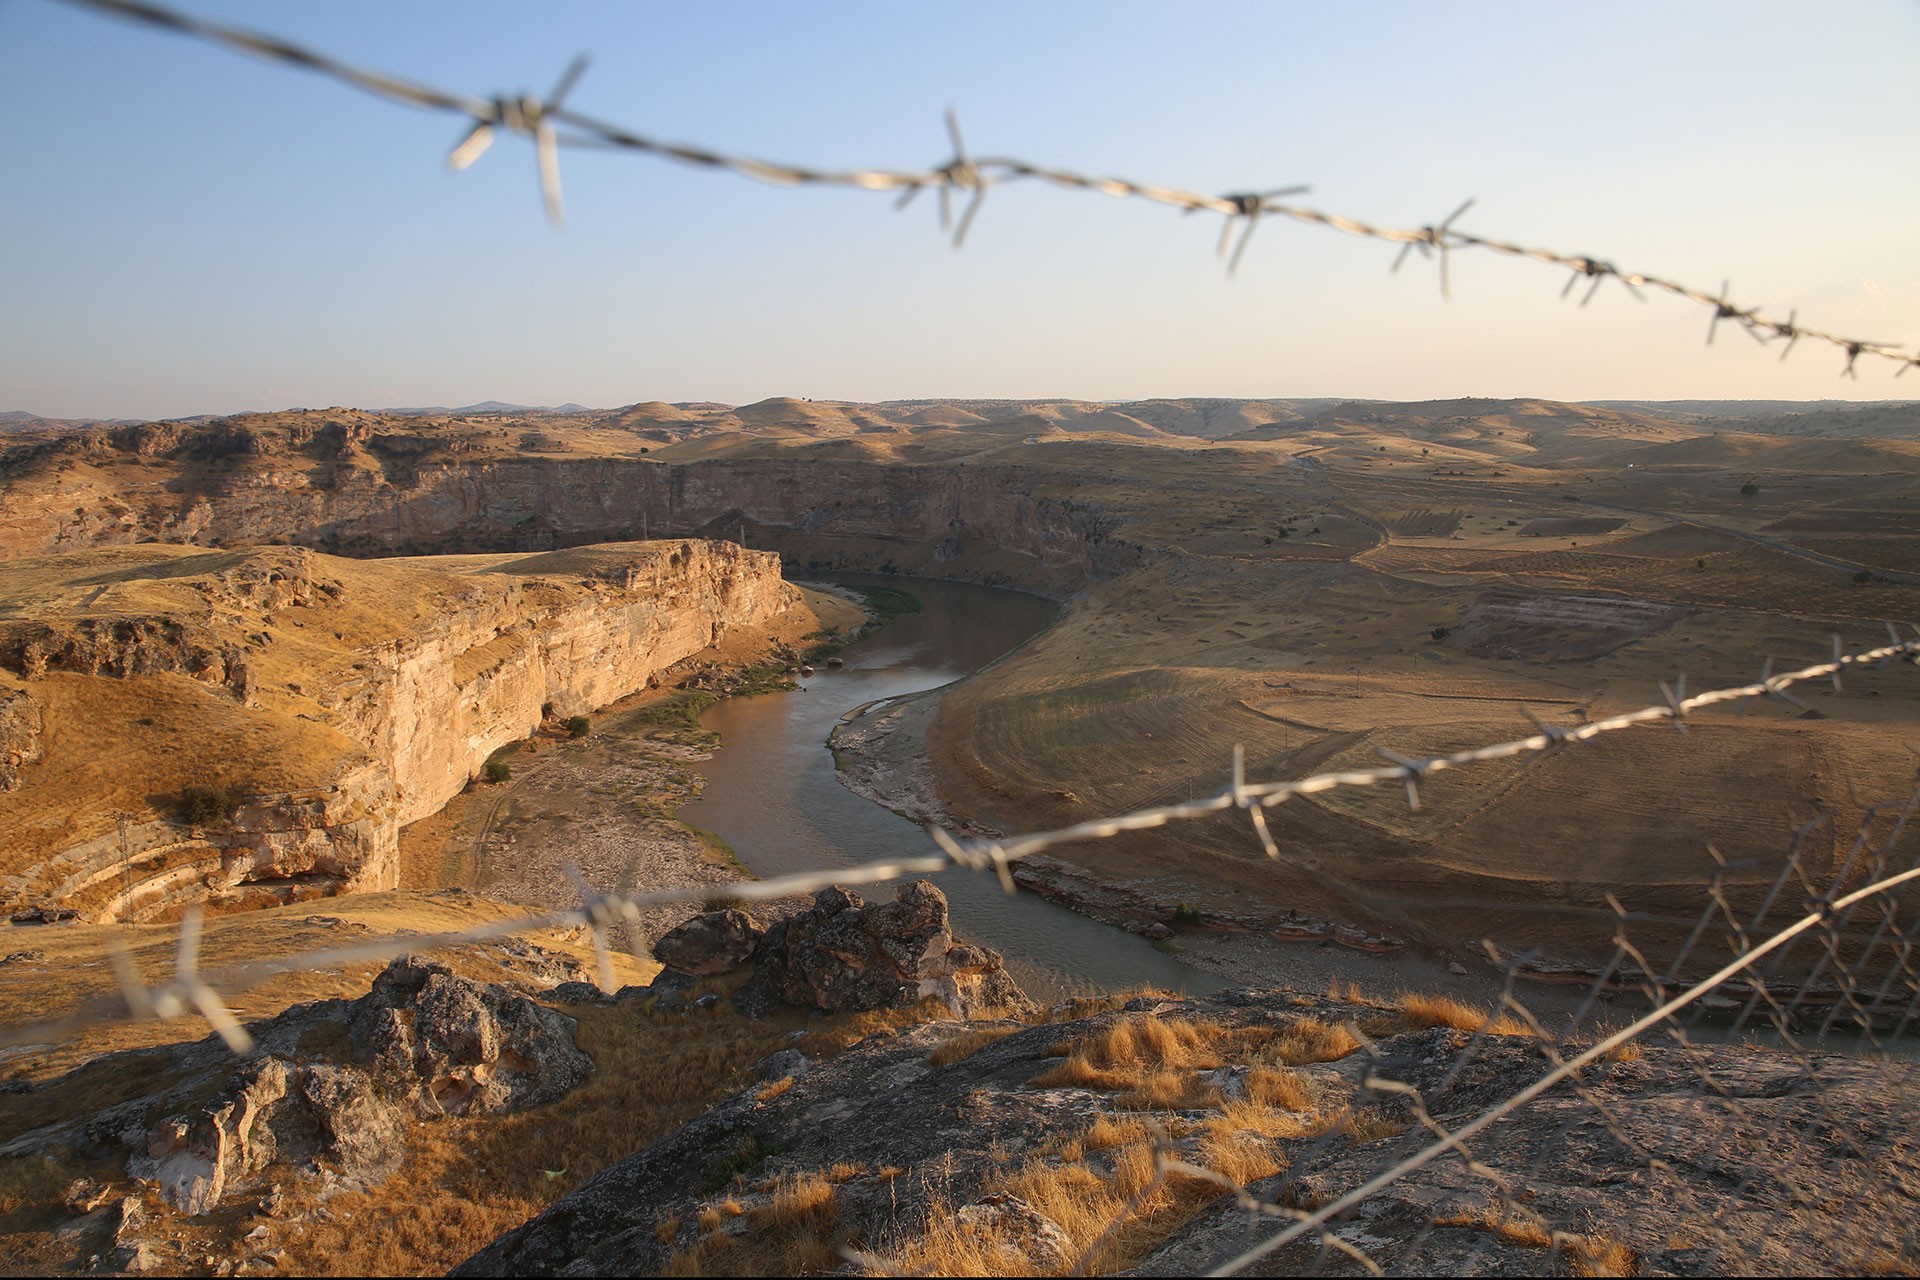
<point>20,726</point>
<point>423,1043</point>
<point>844,955</point>
<point>713,943</point>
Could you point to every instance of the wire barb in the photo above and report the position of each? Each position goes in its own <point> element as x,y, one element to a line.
<point>1435,240</point>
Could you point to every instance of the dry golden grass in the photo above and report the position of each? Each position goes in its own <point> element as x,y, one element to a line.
<point>1600,1256</point>
<point>1515,1228</point>
<point>1080,1007</point>
<point>1059,1183</point>
<point>1368,1125</point>
<point>1420,1012</point>
<point>1147,1062</point>
<point>1628,1052</point>
<point>1310,1040</point>
<point>968,1043</point>
<point>792,1234</point>
<point>773,1089</point>
<point>1283,1089</point>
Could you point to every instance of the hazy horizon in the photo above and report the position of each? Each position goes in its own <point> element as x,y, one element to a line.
<point>201,232</point>
<point>495,405</point>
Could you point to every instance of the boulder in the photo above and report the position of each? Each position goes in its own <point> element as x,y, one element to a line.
<point>710,944</point>
<point>461,1047</point>
<point>844,956</point>
<point>424,1040</point>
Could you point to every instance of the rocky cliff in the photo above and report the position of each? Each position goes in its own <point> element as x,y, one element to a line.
<point>370,487</point>
<point>256,726</point>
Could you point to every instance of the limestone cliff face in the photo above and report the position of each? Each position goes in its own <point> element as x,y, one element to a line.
<point>277,848</point>
<point>318,703</point>
<point>436,704</point>
<point>1005,522</point>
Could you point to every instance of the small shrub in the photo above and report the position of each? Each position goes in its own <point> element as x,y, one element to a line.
<point>1864,576</point>
<point>201,806</point>
<point>1441,633</point>
<point>1748,489</point>
<point>578,726</point>
<point>497,771</point>
<point>1186,913</point>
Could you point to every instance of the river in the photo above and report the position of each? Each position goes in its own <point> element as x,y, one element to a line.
<point>772,793</point>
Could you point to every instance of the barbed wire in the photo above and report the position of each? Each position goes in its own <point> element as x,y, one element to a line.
<point>551,125</point>
<point>191,991</point>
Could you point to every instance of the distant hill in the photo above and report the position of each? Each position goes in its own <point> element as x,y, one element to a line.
<point>487,406</point>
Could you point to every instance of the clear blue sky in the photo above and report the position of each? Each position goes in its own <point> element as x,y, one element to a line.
<point>188,230</point>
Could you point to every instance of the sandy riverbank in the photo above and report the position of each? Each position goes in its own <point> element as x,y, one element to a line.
<point>880,752</point>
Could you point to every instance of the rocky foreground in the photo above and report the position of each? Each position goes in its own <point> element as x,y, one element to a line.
<point>950,1126</point>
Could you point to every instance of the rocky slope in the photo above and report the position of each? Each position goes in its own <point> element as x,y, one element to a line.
<point>1006,1145</point>
<point>256,726</point>
<point>977,1149</point>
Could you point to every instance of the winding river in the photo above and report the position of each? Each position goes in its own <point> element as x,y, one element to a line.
<point>772,793</point>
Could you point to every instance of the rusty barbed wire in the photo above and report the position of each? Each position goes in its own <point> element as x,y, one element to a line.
<point>541,120</point>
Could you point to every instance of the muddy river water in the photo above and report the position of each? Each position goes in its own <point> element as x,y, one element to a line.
<point>771,791</point>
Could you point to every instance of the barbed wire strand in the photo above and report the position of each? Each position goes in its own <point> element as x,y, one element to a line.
<point>541,120</point>
<point>189,989</point>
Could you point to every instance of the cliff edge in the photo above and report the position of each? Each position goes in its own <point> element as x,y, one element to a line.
<point>254,726</point>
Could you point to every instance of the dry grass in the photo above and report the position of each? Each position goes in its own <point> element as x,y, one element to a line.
<point>1283,1089</point>
<point>967,1044</point>
<point>1081,1007</point>
<point>1310,1040</point>
<point>1515,1228</point>
<point>1420,1012</point>
<point>1061,1183</point>
<point>793,1233</point>
<point>1628,1052</point>
<point>773,1089</point>
<point>1369,1125</point>
<point>1148,1062</point>
<point>1600,1256</point>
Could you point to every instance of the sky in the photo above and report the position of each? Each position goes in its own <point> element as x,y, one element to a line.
<point>187,230</point>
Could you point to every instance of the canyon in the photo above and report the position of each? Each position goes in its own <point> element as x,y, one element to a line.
<point>248,662</point>
<point>1310,580</point>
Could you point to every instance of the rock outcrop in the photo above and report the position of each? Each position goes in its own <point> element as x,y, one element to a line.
<point>844,955</point>
<point>423,1043</point>
<point>20,728</point>
<point>710,944</point>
